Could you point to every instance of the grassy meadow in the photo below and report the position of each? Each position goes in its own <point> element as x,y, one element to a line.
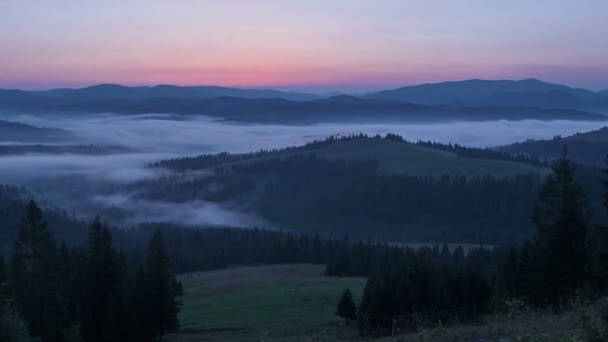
<point>278,302</point>
<point>398,158</point>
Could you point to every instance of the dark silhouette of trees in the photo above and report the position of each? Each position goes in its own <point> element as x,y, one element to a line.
<point>73,294</point>
<point>4,288</point>
<point>548,269</point>
<point>346,307</point>
<point>34,276</point>
<point>421,292</point>
<point>159,288</point>
<point>101,300</point>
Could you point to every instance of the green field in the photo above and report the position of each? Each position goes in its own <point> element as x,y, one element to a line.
<point>279,302</point>
<point>399,158</point>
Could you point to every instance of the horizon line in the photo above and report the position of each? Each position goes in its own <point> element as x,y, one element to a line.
<point>295,88</point>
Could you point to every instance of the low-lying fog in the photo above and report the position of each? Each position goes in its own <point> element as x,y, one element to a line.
<point>76,178</point>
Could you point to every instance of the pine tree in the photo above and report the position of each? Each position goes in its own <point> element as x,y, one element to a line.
<point>4,289</point>
<point>599,260</point>
<point>101,283</point>
<point>160,294</point>
<point>346,307</point>
<point>562,220</point>
<point>140,322</point>
<point>34,276</point>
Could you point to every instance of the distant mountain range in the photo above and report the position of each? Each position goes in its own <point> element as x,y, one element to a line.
<point>524,93</point>
<point>114,91</point>
<point>462,100</point>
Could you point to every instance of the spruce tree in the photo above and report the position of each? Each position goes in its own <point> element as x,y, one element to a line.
<point>346,307</point>
<point>140,320</point>
<point>4,287</point>
<point>101,283</point>
<point>159,288</point>
<point>562,221</point>
<point>599,240</point>
<point>34,277</point>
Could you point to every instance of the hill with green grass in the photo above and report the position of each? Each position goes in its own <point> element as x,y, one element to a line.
<point>405,158</point>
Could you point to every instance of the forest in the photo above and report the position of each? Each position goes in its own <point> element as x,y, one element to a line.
<point>338,197</point>
<point>74,292</point>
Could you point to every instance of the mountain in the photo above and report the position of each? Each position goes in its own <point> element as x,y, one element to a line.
<point>474,100</point>
<point>588,148</point>
<point>92,150</point>
<point>523,93</point>
<point>20,132</point>
<point>334,109</point>
<point>115,91</point>
<point>13,99</point>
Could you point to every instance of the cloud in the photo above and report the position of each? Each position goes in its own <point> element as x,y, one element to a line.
<point>195,213</point>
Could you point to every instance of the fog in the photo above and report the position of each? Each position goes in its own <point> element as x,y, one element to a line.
<point>73,181</point>
<point>167,133</point>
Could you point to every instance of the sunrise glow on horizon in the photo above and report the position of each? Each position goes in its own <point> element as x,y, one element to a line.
<point>318,44</point>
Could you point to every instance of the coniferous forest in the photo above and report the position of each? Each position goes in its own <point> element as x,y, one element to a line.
<point>92,292</point>
<point>113,284</point>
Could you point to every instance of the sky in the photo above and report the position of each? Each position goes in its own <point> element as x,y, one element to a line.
<point>312,45</point>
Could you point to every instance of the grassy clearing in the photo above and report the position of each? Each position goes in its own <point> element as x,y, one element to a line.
<point>296,303</point>
<point>279,302</point>
<point>398,158</point>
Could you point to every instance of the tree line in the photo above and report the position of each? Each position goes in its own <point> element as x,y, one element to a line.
<point>93,293</point>
<point>567,258</point>
<point>204,161</point>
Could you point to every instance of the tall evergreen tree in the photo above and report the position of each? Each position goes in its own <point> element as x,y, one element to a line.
<point>159,288</point>
<point>100,303</point>
<point>599,260</point>
<point>346,307</point>
<point>562,221</point>
<point>34,276</point>
<point>4,286</point>
<point>140,329</point>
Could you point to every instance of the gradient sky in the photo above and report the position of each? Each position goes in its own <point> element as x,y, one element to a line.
<point>309,45</point>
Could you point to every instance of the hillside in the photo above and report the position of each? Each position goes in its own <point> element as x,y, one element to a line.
<point>93,150</point>
<point>400,158</point>
<point>588,148</point>
<point>365,187</point>
<point>19,132</point>
<point>391,156</point>
<point>524,93</point>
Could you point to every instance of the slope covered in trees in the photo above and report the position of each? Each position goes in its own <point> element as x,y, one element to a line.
<point>587,148</point>
<point>374,187</point>
<point>565,261</point>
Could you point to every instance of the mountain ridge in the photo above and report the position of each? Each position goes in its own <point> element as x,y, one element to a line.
<point>480,92</point>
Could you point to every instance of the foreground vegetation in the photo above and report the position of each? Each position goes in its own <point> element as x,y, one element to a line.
<point>91,294</point>
<point>577,322</point>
